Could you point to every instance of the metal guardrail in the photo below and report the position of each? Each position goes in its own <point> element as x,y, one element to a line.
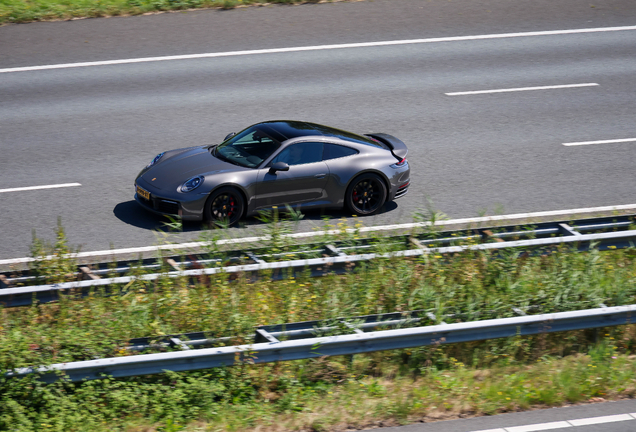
<point>197,260</point>
<point>13,297</point>
<point>356,343</point>
<point>290,331</point>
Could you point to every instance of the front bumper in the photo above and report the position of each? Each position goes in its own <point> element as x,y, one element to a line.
<point>157,203</point>
<point>160,206</point>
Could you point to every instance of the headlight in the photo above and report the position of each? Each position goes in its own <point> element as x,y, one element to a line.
<point>192,184</point>
<point>155,160</point>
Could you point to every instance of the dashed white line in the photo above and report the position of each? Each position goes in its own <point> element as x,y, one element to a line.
<point>520,89</point>
<point>564,424</point>
<point>614,141</point>
<point>407,226</point>
<point>30,188</point>
<point>322,47</point>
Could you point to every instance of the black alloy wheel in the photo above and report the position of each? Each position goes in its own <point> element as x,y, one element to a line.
<point>366,194</point>
<point>225,205</point>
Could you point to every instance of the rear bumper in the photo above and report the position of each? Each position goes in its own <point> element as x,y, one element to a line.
<point>400,181</point>
<point>402,190</point>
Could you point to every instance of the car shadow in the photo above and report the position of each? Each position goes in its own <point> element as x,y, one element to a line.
<point>131,213</point>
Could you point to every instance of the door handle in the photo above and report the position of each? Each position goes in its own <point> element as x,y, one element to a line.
<point>319,176</point>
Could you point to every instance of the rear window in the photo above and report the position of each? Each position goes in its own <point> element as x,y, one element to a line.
<point>335,151</point>
<point>348,136</point>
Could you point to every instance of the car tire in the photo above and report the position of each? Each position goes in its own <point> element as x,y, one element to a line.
<point>225,206</point>
<point>366,194</point>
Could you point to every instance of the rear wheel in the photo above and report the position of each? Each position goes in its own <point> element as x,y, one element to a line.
<point>225,205</point>
<point>366,194</point>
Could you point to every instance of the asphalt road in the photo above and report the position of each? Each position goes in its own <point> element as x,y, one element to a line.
<point>469,154</point>
<point>605,417</point>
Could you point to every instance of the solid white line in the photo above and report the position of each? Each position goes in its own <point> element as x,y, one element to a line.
<point>322,47</point>
<point>553,87</point>
<point>599,420</point>
<point>29,188</point>
<point>565,423</point>
<point>407,226</point>
<point>600,142</point>
<point>539,427</point>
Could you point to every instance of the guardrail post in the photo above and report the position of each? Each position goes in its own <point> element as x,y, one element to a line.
<point>87,274</point>
<point>265,335</point>
<point>488,234</point>
<point>567,230</point>
<point>172,263</point>
<point>334,251</point>
<point>254,258</point>
<point>178,342</point>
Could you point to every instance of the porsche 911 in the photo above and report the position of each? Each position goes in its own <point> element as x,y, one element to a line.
<point>273,164</point>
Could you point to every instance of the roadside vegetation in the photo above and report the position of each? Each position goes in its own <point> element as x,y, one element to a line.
<point>383,388</point>
<point>23,11</point>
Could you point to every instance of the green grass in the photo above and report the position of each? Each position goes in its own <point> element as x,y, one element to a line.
<point>389,387</point>
<point>323,394</point>
<point>23,11</point>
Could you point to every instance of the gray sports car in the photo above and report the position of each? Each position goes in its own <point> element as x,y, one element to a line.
<point>305,165</point>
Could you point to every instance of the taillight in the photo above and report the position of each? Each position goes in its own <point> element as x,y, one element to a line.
<point>400,163</point>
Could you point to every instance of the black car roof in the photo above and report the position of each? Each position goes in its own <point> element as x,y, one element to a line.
<point>288,129</point>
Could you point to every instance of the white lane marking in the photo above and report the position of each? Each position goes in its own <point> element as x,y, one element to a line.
<point>565,423</point>
<point>539,427</point>
<point>599,420</point>
<point>477,220</point>
<point>520,89</point>
<point>614,141</point>
<point>29,188</point>
<point>322,47</point>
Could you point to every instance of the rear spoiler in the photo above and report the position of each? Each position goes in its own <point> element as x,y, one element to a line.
<point>398,148</point>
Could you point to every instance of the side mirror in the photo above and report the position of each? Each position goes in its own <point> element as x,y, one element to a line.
<point>278,166</point>
<point>228,136</point>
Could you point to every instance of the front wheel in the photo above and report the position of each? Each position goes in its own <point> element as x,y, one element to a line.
<point>224,206</point>
<point>366,194</point>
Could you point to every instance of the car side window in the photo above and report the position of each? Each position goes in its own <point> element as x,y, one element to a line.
<point>299,154</point>
<point>334,151</point>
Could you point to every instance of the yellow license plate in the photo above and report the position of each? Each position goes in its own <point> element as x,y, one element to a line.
<point>143,193</point>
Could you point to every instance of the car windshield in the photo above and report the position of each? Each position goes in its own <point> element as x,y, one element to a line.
<point>247,148</point>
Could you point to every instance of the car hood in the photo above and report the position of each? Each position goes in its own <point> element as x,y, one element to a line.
<point>177,166</point>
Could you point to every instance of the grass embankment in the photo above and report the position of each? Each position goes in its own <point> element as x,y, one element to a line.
<point>22,11</point>
<point>395,386</point>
